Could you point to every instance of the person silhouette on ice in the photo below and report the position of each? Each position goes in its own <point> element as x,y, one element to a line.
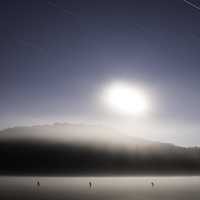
<point>38,183</point>
<point>90,184</point>
<point>152,184</point>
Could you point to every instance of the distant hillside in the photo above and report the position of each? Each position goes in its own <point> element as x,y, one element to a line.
<point>89,150</point>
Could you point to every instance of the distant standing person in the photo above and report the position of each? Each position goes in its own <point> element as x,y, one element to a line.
<point>38,183</point>
<point>90,184</point>
<point>152,184</point>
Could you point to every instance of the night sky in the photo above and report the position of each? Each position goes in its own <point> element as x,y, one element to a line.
<point>57,56</point>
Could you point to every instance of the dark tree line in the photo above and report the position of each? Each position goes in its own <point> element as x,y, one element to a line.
<point>25,157</point>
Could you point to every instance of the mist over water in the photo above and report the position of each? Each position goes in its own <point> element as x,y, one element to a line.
<point>108,188</point>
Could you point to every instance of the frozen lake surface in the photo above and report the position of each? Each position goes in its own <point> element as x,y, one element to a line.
<point>103,188</point>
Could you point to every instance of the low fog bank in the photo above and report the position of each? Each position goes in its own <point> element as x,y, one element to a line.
<point>68,149</point>
<point>76,134</point>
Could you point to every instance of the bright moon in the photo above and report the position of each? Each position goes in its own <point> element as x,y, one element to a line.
<point>126,99</point>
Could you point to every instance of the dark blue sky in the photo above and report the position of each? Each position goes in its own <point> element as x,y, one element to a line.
<point>57,55</point>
